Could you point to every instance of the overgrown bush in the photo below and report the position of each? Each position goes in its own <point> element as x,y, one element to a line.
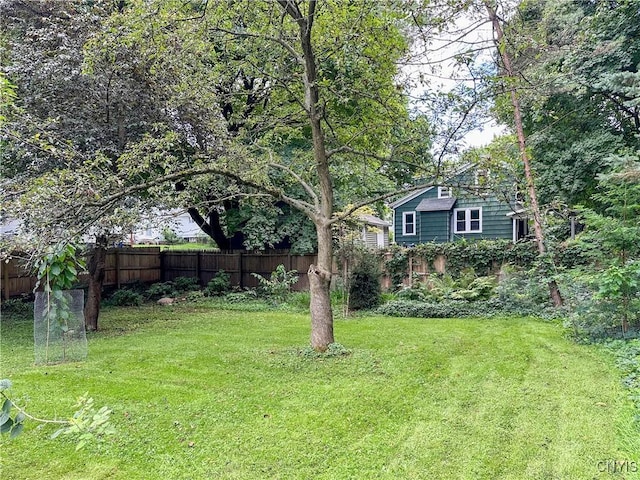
<point>437,287</point>
<point>523,290</point>
<point>603,304</point>
<point>194,296</point>
<point>364,283</point>
<point>126,298</point>
<point>161,289</point>
<point>611,301</point>
<point>442,309</point>
<point>627,355</point>
<point>16,306</point>
<point>171,238</point>
<point>186,284</point>
<point>279,284</point>
<point>218,285</point>
<point>240,297</point>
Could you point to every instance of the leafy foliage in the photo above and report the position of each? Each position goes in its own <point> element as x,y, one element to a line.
<point>59,272</point>
<point>442,309</point>
<point>364,284</point>
<point>185,284</point>
<point>484,257</point>
<point>16,306</point>
<point>436,287</point>
<point>218,285</point>
<point>278,285</point>
<point>580,58</point>
<point>161,289</point>
<point>627,355</point>
<point>58,269</point>
<point>171,238</point>
<point>86,424</point>
<point>609,299</point>
<point>126,298</point>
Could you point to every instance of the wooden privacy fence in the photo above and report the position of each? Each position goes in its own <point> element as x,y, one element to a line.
<point>240,266</point>
<point>149,265</point>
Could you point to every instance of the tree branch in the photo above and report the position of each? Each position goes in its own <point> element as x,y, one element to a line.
<point>268,38</point>
<point>298,179</point>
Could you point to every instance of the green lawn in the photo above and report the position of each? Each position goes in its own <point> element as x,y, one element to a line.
<point>200,394</point>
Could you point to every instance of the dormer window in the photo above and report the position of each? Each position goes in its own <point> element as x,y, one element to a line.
<point>444,192</point>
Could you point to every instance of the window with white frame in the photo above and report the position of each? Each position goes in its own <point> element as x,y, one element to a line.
<point>409,223</point>
<point>467,220</point>
<point>444,192</point>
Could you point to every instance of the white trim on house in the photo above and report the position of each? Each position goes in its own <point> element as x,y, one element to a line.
<point>408,198</point>
<point>481,181</point>
<point>445,192</point>
<point>417,193</point>
<point>405,223</point>
<point>468,220</point>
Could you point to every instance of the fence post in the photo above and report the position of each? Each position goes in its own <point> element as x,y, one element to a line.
<point>162,275</point>
<point>5,279</point>
<point>117,261</point>
<point>240,271</point>
<point>198,268</point>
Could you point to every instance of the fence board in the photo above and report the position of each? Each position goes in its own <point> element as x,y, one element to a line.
<point>148,265</point>
<point>239,266</point>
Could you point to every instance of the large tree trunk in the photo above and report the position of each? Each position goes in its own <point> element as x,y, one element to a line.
<point>554,291</point>
<point>96,268</point>
<point>319,288</point>
<point>212,228</point>
<point>320,274</point>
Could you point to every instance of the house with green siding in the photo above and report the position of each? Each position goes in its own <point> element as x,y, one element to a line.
<point>465,207</point>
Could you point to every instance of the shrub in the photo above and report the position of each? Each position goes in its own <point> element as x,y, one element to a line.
<point>461,308</point>
<point>627,354</point>
<point>161,289</point>
<point>240,297</point>
<point>17,306</point>
<point>279,284</point>
<point>438,287</point>
<point>126,298</point>
<point>171,238</point>
<point>411,293</point>
<point>605,304</point>
<point>523,290</point>
<point>194,296</point>
<point>444,309</point>
<point>364,284</point>
<point>186,284</point>
<point>481,288</point>
<point>218,285</point>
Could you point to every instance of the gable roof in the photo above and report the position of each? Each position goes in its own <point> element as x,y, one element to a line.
<point>373,220</point>
<point>417,193</point>
<point>409,197</point>
<point>436,204</point>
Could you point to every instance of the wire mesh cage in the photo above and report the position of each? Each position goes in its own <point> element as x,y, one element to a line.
<point>58,327</point>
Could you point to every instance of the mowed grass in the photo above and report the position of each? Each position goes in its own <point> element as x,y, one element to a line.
<point>203,394</point>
